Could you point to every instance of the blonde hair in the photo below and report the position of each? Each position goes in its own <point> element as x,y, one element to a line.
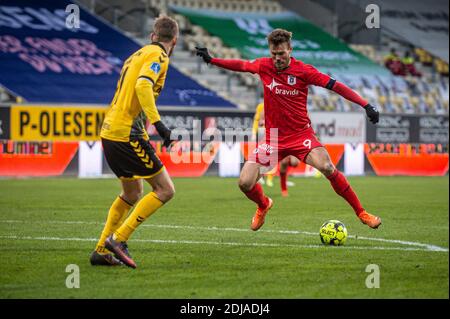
<point>165,28</point>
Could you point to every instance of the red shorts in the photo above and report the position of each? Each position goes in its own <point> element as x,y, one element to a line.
<point>303,143</point>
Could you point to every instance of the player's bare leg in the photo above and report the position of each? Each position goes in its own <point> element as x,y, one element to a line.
<point>319,159</point>
<point>131,192</point>
<point>163,191</point>
<point>162,186</point>
<point>284,165</point>
<point>250,174</point>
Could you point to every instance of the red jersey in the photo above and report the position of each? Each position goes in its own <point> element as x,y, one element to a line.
<point>285,95</point>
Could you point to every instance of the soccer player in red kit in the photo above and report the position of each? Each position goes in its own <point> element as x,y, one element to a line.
<point>286,81</point>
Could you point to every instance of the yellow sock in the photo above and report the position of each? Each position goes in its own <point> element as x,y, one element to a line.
<point>144,208</point>
<point>116,216</point>
<point>269,179</point>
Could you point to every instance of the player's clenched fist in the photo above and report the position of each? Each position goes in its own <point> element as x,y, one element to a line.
<point>372,113</point>
<point>165,133</point>
<point>204,54</point>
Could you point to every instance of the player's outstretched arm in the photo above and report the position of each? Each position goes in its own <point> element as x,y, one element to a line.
<point>204,54</point>
<point>314,77</point>
<point>346,92</point>
<point>229,64</point>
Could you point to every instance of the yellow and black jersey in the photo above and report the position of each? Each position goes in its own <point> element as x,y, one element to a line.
<point>258,119</point>
<point>141,80</point>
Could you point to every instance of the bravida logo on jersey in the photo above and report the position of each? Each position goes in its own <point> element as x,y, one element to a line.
<point>273,88</point>
<point>273,84</point>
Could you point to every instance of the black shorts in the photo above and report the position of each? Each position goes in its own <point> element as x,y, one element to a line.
<point>133,159</point>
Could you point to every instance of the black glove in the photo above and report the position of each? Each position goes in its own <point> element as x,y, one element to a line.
<point>203,52</point>
<point>372,113</point>
<point>164,132</point>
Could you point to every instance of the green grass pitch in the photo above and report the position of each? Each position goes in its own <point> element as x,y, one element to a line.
<point>200,246</point>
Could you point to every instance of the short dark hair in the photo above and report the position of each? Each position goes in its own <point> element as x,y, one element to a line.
<point>279,36</point>
<point>165,28</point>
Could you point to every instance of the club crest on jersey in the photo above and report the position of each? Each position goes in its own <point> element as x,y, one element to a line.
<point>292,80</point>
<point>155,67</point>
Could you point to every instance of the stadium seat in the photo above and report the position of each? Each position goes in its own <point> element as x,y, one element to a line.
<point>414,101</point>
<point>310,104</point>
<point>315,101</point>
<point>366,50</point>
<point>198,31</point>
<point>429,103</point>
<point>422,108</point>
<point>347,105</point>
<point>245,79</point>
<point>445,106</point>
<point>424,57</point>
<point>183,23</point>
<point>258,7</point>
<point>339,105</point>
<point>406,105</point>
<point>441,67</point>
<point>390,104</point>
<point>382,103</point>
<point>332,102</point>
<point>215,41</point>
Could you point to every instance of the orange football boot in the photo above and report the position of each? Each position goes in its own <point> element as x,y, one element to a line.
<point>370,220</point>
<point>260,215</point>
<point>120,250</point>
<point>285,193</point>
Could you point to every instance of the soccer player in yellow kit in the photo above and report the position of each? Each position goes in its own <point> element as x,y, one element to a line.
<point>258,131</point>
<point>126,144</point>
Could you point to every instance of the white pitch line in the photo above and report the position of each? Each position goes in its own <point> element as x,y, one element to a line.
<point>428,247</point>
<point>194,242</point>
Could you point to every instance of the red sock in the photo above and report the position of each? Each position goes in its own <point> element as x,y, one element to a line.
<point>283,181</point>
<point>343,188</point>
<point>256,194</point>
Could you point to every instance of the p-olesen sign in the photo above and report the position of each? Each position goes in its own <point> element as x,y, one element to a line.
<point>56,123</point>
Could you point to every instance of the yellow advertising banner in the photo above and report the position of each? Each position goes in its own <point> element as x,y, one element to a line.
<point>56,123</point>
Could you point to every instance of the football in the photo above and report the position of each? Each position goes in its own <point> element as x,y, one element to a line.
<point>333,232</point>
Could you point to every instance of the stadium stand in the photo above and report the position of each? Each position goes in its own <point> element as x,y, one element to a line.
<point>400,97</point>
<point>244,24</point>
<point>431,75</point>
<point>200,37</point>
<point>423,90</point>
<point>56,65</point>
<point>407,26</point>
